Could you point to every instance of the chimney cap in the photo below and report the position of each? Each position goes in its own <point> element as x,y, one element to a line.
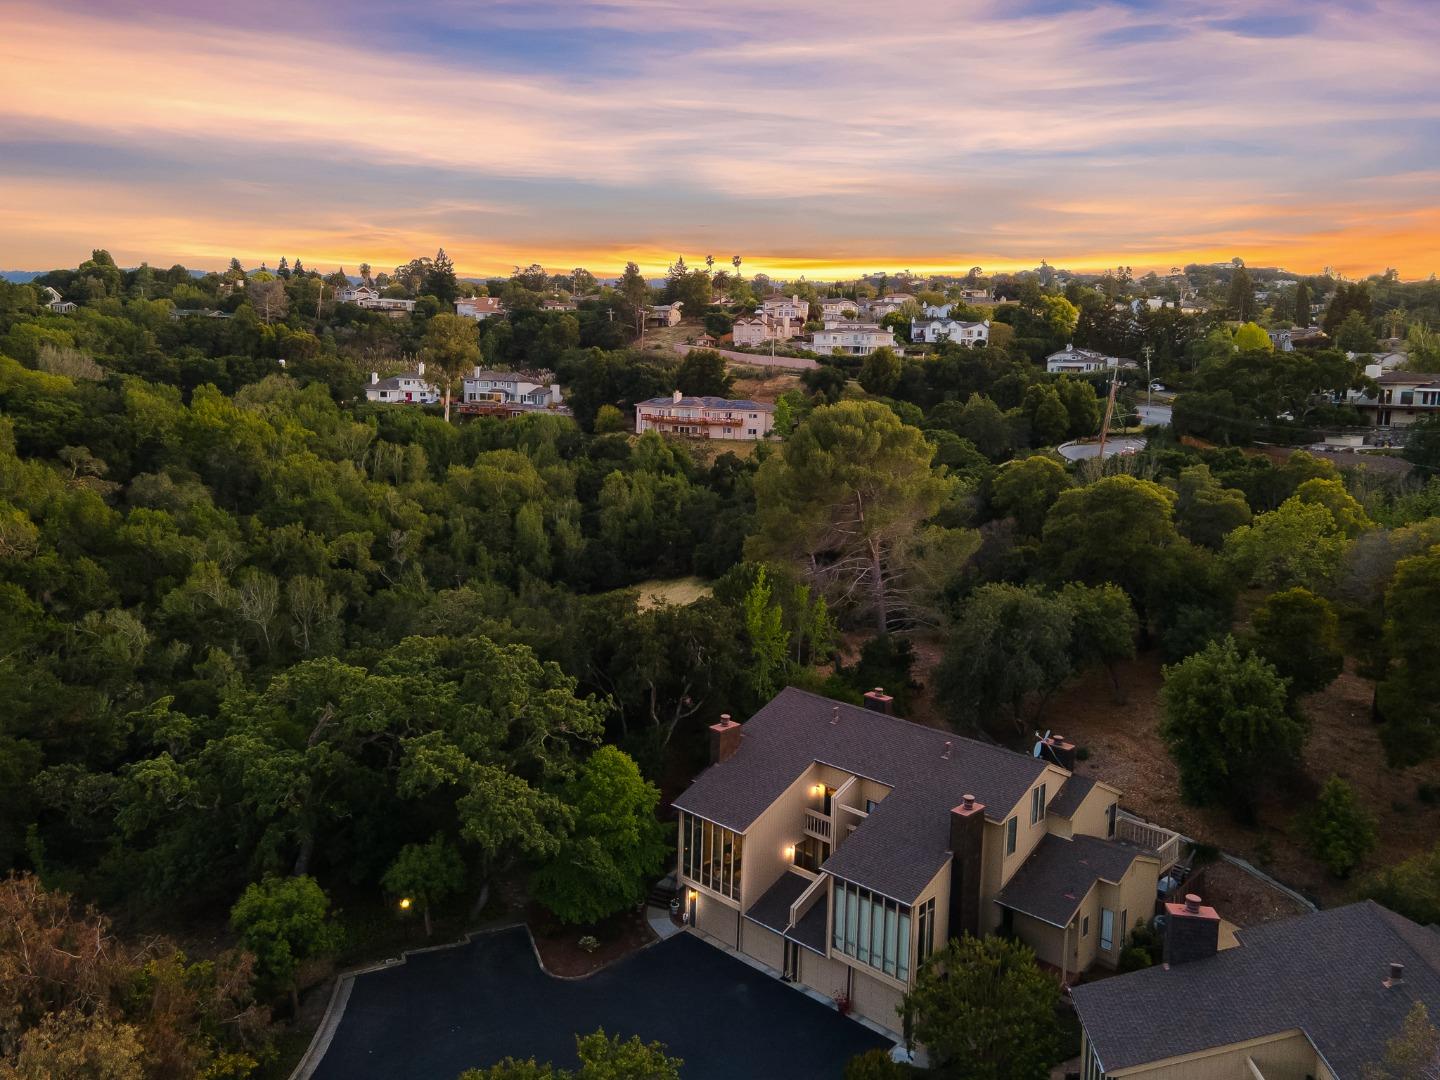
<point>1397,973</point>
<point>1192,903</point>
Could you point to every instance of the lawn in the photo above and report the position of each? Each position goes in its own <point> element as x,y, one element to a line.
<point>679,591</point>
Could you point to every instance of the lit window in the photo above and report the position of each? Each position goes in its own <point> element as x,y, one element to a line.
<point>1012,828</point>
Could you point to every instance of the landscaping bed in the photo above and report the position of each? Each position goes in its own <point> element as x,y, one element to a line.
<point>560,948</point>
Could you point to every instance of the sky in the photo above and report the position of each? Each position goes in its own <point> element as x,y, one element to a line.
<point>818,137</point>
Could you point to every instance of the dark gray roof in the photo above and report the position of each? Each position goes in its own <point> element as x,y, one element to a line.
<point>1322,973</point>
<point>708,402</point>
<point>772,910</point>
<point>906,839</point>
<point>1068,799</point>
<point>1059,873</point>
<point>810,930</point>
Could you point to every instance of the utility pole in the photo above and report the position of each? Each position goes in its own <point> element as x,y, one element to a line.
<point>1109,409</point>
<point>1149,350</point>
<point>319,300</point>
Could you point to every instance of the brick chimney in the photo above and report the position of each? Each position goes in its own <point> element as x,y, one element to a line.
<point>420,368</point>
<point>724,739</point>
<point>374,377</point>
<point>967,835</point>
<point>1192,931</point>
<point>878,701</point>
<point>1061,751</point>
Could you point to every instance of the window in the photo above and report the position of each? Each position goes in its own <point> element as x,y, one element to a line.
<point>1037,805</point>
<point>1107,929</point>
<point>1012,828</point>
<point>925,943</point>
<point>872,929</point>
<point>1110,820</point>
<point>810,853</point>
<point>1085,926</point>
<point>711,855</point>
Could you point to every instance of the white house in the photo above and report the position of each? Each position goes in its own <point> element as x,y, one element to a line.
<point>855,338</point>
<point>936,330</point>
<point>479,308</point>
<point>705,417</point>
<point>753,331</point>
<point>1405,397</point>
<point>1073,361</point>
<point>407,388</point>
<point>878,309</point>
<point>525,389</point>
<point>57,303</point>
<point>936,311</point>
<point>354,294</point>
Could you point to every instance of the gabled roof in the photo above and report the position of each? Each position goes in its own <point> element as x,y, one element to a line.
<point>1068,799</point>
<point>710,403</point>
<point>905,841</point>
<point>1059,874</point>
<point>1324,974</point>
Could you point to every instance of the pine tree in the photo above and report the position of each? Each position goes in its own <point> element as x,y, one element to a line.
<point>1302,303</point>
<point>284,270</point>
<point>440,281</point>
<point>299,269</point>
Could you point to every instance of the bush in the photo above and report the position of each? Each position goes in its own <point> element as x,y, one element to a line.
<point>1338,830</point>
<point>1411,888</point>
<point>875,1065</point>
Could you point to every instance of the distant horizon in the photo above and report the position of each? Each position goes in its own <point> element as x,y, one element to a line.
<point>824,139</point>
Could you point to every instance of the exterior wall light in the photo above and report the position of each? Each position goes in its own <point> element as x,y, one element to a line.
<point>405,903</point>
<point>790,852</point>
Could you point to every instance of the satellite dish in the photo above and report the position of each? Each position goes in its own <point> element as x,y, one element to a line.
<point>1039,750</point>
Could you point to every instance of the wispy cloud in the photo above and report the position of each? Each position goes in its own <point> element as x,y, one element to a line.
<point>842,133</point>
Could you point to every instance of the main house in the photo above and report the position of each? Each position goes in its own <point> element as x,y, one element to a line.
<point>479,308</point>
<point>854,338</point>
<point>407,388</point>
<point>1317,996</point>
<point>368,297</point>
<point>1073,361</point>
<point>942,328</point>
<point>664,314</point>
<point>838,307</point>
<point>762,328</point>
<point>786,307</point>
<point>1404,398</point>
<point>511,391</point>
<point>840,846</point>
<point>705,417</point>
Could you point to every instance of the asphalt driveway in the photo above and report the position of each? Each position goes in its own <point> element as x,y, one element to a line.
<point>442,1012</point>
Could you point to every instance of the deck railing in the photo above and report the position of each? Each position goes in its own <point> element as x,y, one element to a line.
<point>1157,838</point>
<point>818,824</point>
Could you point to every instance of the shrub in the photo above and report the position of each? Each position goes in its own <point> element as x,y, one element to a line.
<point>1338,830</point>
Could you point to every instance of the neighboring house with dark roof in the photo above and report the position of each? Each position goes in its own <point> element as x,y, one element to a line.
<point>941,328</point>
<point>840,846</point>
<point>852,338</point>
<point>407,388</point>
<point>479,308</point>
<point>1315,996</point>
<point>705,417</point>
<point>1404,398</point>
<point>1073,361</point>
<point>838,307</point>
<point>664,314</point>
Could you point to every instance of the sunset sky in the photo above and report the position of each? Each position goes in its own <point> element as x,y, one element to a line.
<point>827,137</point>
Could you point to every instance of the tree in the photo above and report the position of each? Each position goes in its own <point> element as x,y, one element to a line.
<point>1298,633</point>
<point>440,279</point>
<point>1205,510</point>
<point>1409,691</point>
<point>1026,489</point>
<point>1240,299</point>
<point>1250,338</point>
<point>1413,1054</point>
<point>609,419</point>
<point>984,1010</point>
<point>1103,628</point>
<point>285,921</point>
<point>1354,334</point>
<point>1302,303</point>
<point>452,346</point>
<point>269,299</point>
<point>874,1064</point>
<point>768,639</point>
<point>1296,544</point>
<point>602,1057</point>
<point>703,374</point>
<point>1048,417</point>
<point>1411,887</point>
<point>634,293</point>
<point>1011,643</point>
<point>1081,404</point>
<point>1422,445</point>
<point>78,1046</point>
<point>1109,531</point>
<point>880,372</point>
<point>1338,829</point>
<point>1227,723</point>
<point>605,864</point>
<point>982,422</point>
<point>425,874</point>
<point>842,497</point>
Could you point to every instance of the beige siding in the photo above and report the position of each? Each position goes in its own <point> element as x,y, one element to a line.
<point>1044,939</point>
<point>999,867</point>
<point>1284,1056</point>
<point>764,945</point>
<point>716,918</point>
<point>876,1000</point>
<point>822,974</point>
<point>939,889</point>
<point>779,827</point>
<point>1091,817</point>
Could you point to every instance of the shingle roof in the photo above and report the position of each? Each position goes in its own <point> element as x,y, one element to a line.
<point>710,403</point>
<point>772,910</point>
<point>1068,799</point>
<point>905,841</point>
<point>1058,874</point>
<point>810,930</point>
<point>1322,973</point>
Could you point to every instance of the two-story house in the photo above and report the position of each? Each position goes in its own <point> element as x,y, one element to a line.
<point>879,308</point>
<point>55,302</point>
<point>407,388</point>
<point>516,391</point>
<point>838,307</point>
<point>854,338</point>
<point>1314,997</point>
<point>479,308</point>
<point>705,417</point>
<point>664,314</point>
<point>840,846</point>
<point>1073,361</point>
<point>938,329</point>
<point>791,308</point>
<point>1404,397</point>
<point>762,328</point>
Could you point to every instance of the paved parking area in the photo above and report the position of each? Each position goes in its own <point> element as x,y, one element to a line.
<point>442,1012</point>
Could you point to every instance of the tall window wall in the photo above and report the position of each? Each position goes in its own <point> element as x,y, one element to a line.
<point>872,929</point>
<point>711,855</point>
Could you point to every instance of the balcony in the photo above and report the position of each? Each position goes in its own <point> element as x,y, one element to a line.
<point>1164,843</point>
<point>817,824</point>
